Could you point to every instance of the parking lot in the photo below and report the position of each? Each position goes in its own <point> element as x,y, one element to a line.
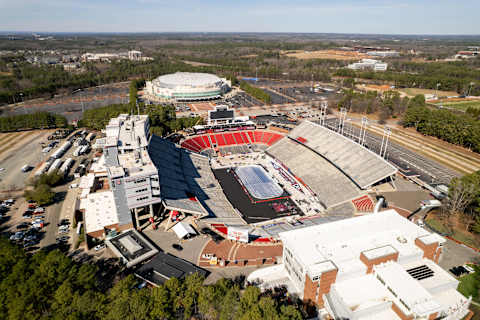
<point>53,225</point>
<point>72,106</point>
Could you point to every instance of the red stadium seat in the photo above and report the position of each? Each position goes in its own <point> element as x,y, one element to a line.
<point>266,137</point>
<point>199,142</point>
<point>229,138</point>
<point>252,138</point>
<point>258,136</point>
<point>238,138</point>
<point>220,140</point>
<point>244,137</point>
<point>212,137</point>
<point>275,138</point>
<point>206,141</point>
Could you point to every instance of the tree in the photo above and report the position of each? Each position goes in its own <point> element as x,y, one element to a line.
<point>42,195</point>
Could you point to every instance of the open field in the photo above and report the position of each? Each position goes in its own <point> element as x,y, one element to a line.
<point>326,54</point>
<point>460,105</point>
<point>414,91</point>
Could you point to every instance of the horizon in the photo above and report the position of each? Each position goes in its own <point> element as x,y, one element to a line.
<point>371,17</point>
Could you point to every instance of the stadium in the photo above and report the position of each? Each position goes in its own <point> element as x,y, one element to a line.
<point>185,86</point>
<point>231,174</point>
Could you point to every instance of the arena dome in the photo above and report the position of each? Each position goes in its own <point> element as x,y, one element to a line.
<point>186,86</point>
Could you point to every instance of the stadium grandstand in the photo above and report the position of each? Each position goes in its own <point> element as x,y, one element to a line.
<point>364,167</point>
<point>330,185</point>
<point>186,86</point>
<point>187,183</point>
<point>231,142</point>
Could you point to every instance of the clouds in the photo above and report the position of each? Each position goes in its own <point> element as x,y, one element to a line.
<point>343,16</point>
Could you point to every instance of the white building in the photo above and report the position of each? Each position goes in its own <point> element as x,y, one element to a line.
<point>369,64</point>
<point>384,54</point>
<point>378,266</point>
<point>186,86</point>
<point>124,174</point>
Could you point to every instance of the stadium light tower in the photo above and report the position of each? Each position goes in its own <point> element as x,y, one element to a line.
<point>387,132</point>
<point>341,120</point>
<point>363,130</point>
<point>323,112</point>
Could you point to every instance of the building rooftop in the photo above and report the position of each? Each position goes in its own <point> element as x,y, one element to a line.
<point>342,242</point>
<point>414,296</point>
<point>100,210</point>
<point>132,247</point>
<point>165,266</point>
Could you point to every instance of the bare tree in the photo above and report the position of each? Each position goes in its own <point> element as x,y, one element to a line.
<point>461,194</point>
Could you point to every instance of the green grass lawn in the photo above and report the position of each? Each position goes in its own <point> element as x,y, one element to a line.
<point>415,91</point>
<point>461,105</point>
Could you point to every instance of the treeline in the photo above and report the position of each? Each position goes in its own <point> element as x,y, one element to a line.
<point>135,85</point>
<point>28,81</point>
<point>37,120</point>
<point>459,129</point>
<point>255,92</point>
<point>163,119</point>
<point>49,285</point>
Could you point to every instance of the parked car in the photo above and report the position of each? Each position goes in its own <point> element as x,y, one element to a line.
<point>63,222</point>
<point>30,237</point>
<point>39,210</point>
<point>99,247</point>
<point>23,225</point>
<point>32,206</point>
<point>63,231</point>
<point>29,244</point>
<point>17,236</point>
<point>64,227</point>
<point>73,185</point>
<point>27,215</point>
<point>63,238</point>
<point>177,247</point>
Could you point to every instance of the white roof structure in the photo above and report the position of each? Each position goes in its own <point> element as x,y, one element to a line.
<point>412,293</point>
<point>183,229</point>
<point>343,241</point>
<point>186,79</point>
<point>100,211</point>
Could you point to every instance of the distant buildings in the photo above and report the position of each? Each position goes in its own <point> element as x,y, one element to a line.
<point>369,64</point>
<point>473,52</point>
<point>384,54</point>
<point>377,266</point>
<point>108,57</point>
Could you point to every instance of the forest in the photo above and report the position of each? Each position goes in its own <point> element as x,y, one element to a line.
<point>163,119</point>
<point>459,129</point>
<point>37,120</point>
<point>49,285</point>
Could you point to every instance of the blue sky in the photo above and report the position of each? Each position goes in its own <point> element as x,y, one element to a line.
<point>341,16</point>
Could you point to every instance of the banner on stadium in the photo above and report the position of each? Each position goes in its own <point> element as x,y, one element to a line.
<point>237,234</point>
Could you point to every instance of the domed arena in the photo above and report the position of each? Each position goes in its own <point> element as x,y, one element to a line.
<point>186,86</point>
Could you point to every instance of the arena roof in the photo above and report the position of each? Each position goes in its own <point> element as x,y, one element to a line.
<point>181,79</point>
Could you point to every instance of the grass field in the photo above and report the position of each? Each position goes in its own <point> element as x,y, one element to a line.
<point>414,91</point>
<point>461,105</point>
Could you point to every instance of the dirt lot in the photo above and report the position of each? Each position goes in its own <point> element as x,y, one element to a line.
<point>327,54</point>
<point>16,150</point>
